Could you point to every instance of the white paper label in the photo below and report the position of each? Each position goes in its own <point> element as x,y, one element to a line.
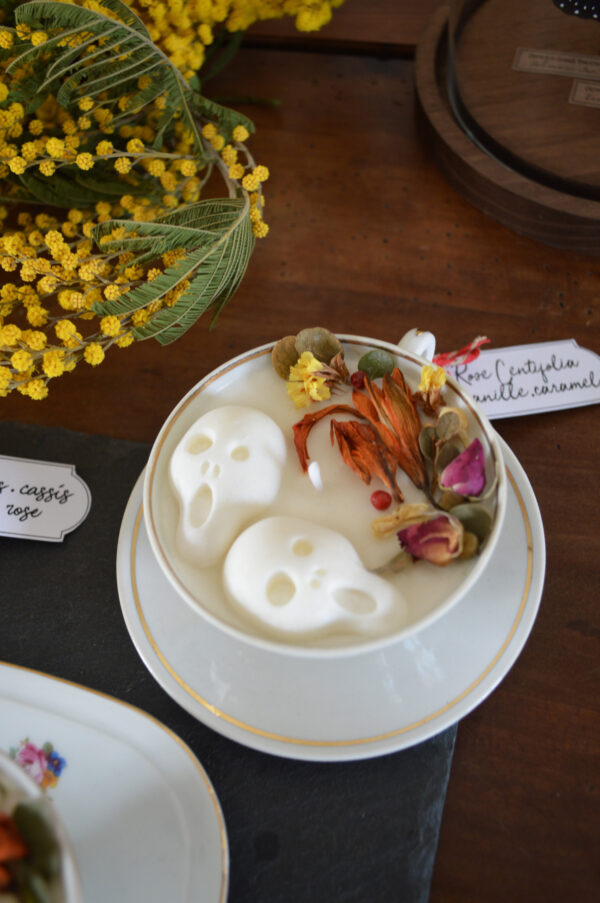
<point>531,379</point>
<point>586,94</point>
<point>557,62</point>
<point>41,499</point>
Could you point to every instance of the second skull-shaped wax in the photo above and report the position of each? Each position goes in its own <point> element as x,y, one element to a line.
<point>301,579</point>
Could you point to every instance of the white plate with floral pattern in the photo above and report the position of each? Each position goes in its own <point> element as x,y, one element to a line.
<point>337,709</point>
<point>139,808</point>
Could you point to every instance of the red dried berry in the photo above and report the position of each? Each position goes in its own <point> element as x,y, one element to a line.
<point>358,379</point>
<point>381,500</point>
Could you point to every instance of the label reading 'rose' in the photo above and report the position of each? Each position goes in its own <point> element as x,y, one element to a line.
<point>41,499</point>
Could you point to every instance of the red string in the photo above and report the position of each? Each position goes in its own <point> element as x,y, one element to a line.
<point>464,355</point>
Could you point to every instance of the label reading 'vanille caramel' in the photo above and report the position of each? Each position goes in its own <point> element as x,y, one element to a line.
<point>531,379</point>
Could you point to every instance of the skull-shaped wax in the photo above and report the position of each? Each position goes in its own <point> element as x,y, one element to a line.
<point>225,471</point>
<point>301,579</point>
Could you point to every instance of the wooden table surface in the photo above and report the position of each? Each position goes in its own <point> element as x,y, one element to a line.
<point>367,237</point>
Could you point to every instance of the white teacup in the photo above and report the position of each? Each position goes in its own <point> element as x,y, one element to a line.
<point>342,505</point>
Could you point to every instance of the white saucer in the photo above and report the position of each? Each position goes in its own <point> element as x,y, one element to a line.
<point>337,709</point>
<point>141,812</point>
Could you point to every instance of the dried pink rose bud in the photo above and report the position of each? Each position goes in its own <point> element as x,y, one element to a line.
<point>465,474</point>
<point>438,540</point>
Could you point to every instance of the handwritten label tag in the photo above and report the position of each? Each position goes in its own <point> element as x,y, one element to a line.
<point>586,94</point>
<point>557,62</point>
<point>531,379</point>
<point>41,499</point>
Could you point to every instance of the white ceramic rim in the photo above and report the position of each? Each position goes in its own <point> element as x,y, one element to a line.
<point>118,720</point>
<point>281,647</point>
<point>201,695</point>
<point>23,782</point>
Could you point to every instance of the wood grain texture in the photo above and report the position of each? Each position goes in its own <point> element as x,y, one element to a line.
<point>529,114</point>
<point>383,25</point>
<point>553,215</point>
<point>368,237</point>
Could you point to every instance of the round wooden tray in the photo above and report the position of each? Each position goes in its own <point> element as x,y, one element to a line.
<point>530,208</point>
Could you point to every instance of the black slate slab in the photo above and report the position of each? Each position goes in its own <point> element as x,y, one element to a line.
<point>299,832</point>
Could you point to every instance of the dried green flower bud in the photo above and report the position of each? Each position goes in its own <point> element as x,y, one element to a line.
<point>475,519</point>
<point>446,453</point>
<point>427,442</point>
<point>448,425</point>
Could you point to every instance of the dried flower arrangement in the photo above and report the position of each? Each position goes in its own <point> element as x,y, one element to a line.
<point>106,145</point>
<point>388,433</point>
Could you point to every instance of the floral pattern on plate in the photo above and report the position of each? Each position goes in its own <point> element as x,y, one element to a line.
<point>42,763</point>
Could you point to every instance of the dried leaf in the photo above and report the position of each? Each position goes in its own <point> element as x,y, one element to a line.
<point>427,442</point>
<point>401,413</point>
<point>470,546</point>
<point>448,425</point>
<point>322,343</point>
<point>365,407</point>
<point>36,830</point>
<point>446,453</point>
<point>392,414</point>
<point>371,410</point>
<point>377,362</point>
<point>333,376</point>
<point>403,516</point>
<point>303,427</point>
<point>475,519</point>
<point>338,364</point>
<point>450,499</point>
<point>365,455</point>
<point>430,402</point>
<point>284,355</point>
<point>453,422</point>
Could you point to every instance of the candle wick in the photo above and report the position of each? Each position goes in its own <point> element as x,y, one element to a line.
<point>314,473</point>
